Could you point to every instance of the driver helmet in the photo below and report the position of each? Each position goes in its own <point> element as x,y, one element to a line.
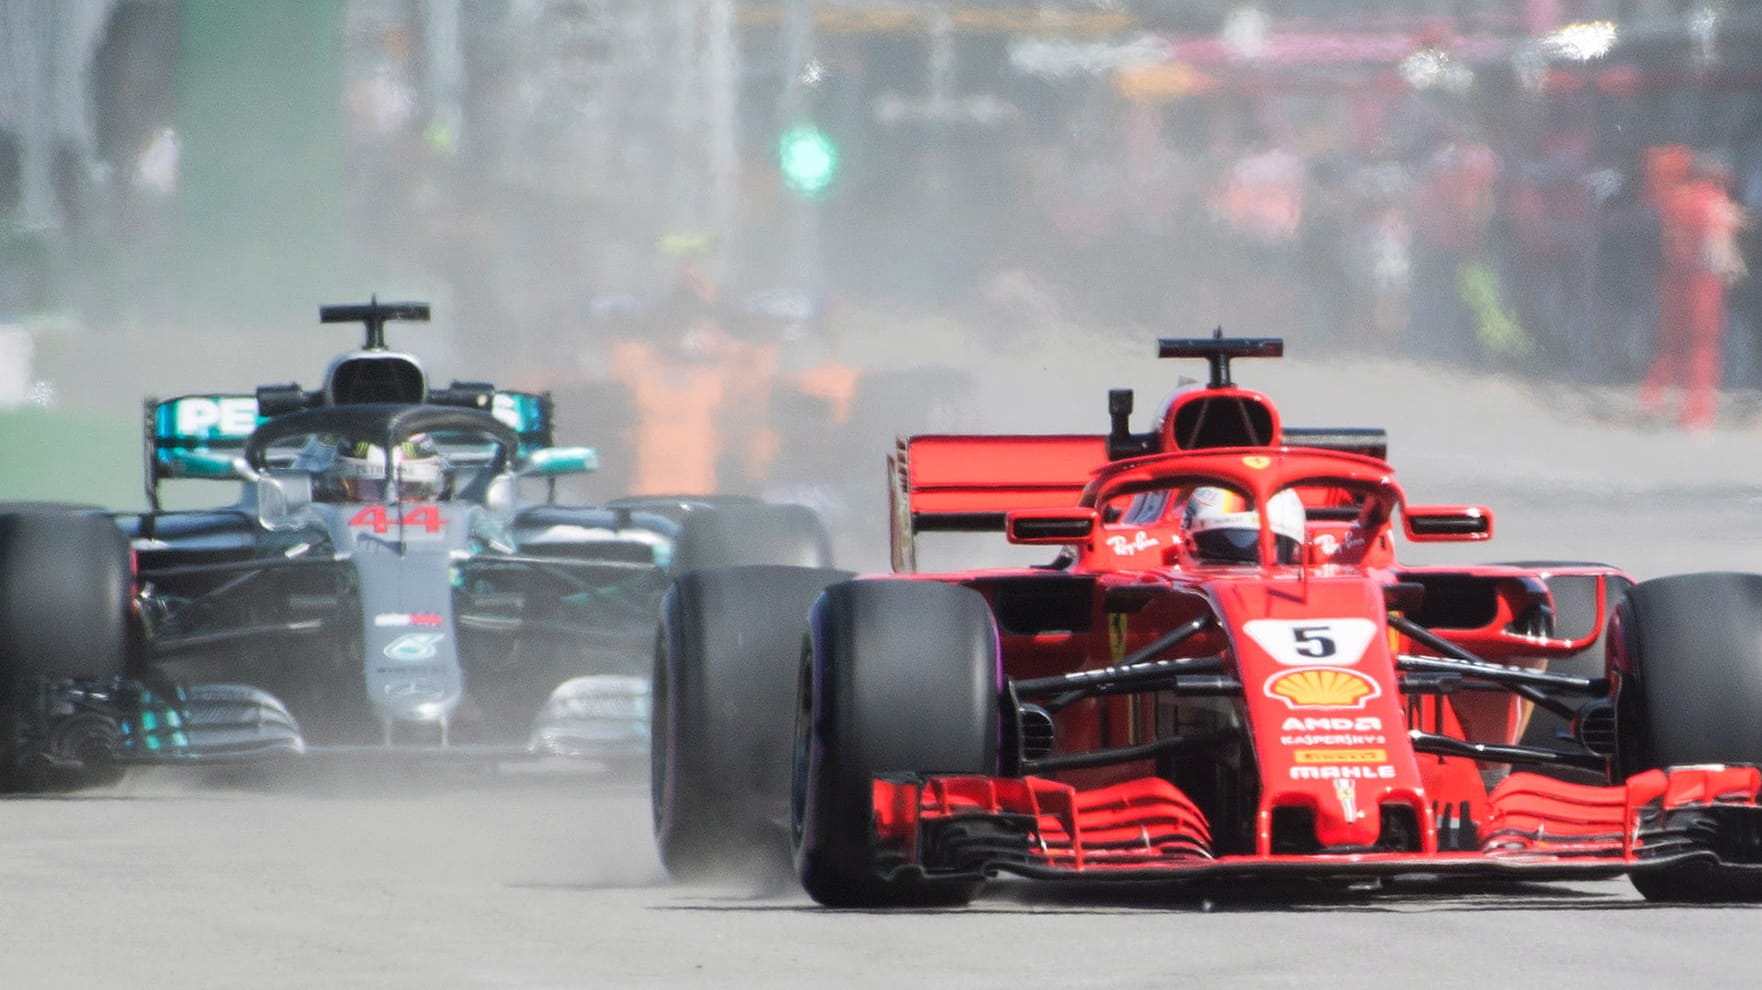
<point>418,471</point>
<point>1224,529</point>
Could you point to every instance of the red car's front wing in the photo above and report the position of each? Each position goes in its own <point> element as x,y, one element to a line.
<point>1536,828</point>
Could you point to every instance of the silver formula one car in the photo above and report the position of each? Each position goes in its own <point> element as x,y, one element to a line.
<point>380,586</point>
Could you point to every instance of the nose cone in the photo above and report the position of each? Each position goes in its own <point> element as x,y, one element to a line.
<point>429,697</point>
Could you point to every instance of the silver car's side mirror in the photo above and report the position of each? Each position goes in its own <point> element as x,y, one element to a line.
<point>284,499</point>
<point>501,496</point>
<point>552,462</point>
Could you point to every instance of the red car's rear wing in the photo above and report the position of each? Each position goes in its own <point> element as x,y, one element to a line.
<point>966,483</point>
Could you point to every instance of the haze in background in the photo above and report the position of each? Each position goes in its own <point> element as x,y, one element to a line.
<point>888,186</point>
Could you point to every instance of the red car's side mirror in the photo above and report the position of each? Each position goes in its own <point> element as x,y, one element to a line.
<point>1447,523</point>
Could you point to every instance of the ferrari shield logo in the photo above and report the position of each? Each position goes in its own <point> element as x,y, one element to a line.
<point>1116,635</point>
<point>1346,791</point>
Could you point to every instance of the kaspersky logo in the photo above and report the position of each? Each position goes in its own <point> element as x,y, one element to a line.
<point>1322,687</point>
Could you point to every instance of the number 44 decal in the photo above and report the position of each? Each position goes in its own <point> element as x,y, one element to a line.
<point>380,521</point>
<point>1310,642</point>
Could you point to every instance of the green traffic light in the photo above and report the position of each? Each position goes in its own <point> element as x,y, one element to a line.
<point>808,158</point>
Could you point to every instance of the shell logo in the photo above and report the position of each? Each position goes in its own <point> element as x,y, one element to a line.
<point>1322,687</point>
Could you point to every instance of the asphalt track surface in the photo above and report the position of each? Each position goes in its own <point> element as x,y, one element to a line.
<point>545,876</point>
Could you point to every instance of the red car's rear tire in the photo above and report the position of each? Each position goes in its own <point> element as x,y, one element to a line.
<point>724,696</point>
<point>899,676</point>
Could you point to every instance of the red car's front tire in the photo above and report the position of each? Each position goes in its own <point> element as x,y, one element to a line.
<point>898,676</point>
<point>1688,649</point>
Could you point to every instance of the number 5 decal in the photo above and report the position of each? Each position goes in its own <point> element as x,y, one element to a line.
<point>1309,642</point>
<point>1314,642</point>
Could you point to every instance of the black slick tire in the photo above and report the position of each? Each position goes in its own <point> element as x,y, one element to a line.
<point>900,676</point>
<point>1691,646</point>
<point>724,699</point>
<point>64,595</point>
<point>752,534</point>
<point>65,584</point>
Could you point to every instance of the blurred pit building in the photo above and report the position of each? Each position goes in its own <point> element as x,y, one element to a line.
<point>1451,179</point>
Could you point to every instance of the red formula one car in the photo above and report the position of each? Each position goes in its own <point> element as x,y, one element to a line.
<point>1225,674</point>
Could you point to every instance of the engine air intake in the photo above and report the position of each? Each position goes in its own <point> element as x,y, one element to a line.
<point>377,378</point>
<point>1222,421</point>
